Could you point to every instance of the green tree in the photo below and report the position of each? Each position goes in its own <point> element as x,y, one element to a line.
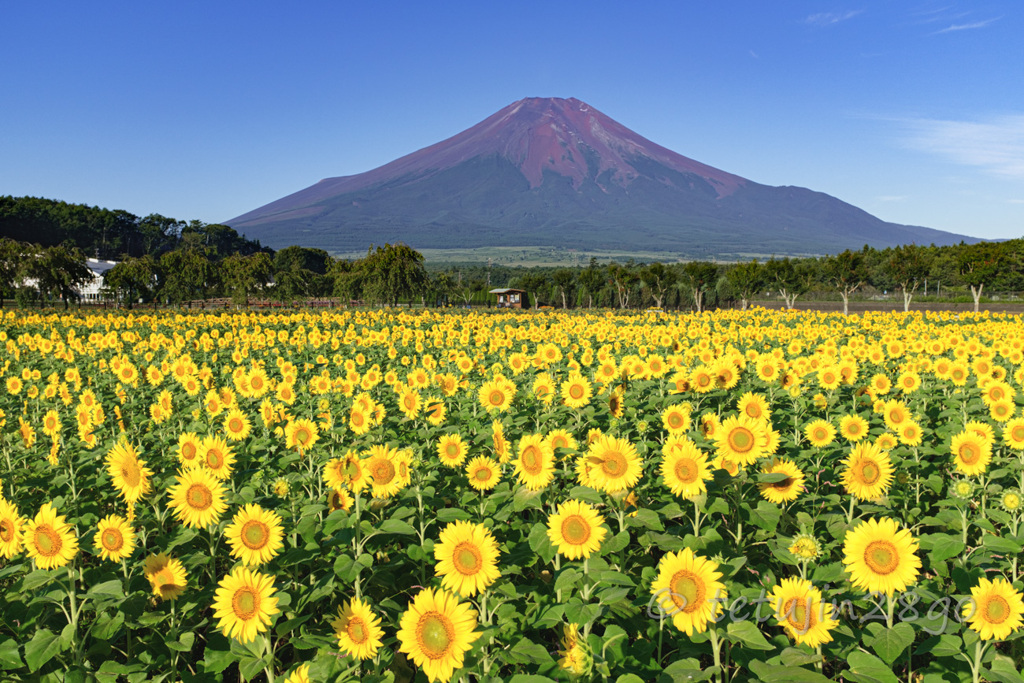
<point>907,266</point>
<point>246,275</point>
<point>657,279</point>
<point>699,277</point>
<point>790,277</point>
<point>623,278</point>
<point>392,272</point>
<point>13,255</point>
<point>746,279</point>
<point>591,280</point>
<point>979,264</point>
<point>59,272</point>
<point>846,272</point>
<point>564,280</point>
<point>186,275</point>
<point>300,272</point>
<point>133,279</point>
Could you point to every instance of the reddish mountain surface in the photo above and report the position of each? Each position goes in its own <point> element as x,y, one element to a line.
<point>551,171</point>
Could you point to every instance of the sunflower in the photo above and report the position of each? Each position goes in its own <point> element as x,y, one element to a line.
<point>236,425</point>
<point>483,473</point>
<point>1010,500</point>
<point>1002,410</point>
<point>574,656</point>
<point>688,590</point>
<point>381,467</point>
<point>754,406</point>
<point>243,604</point>
<point>167,576</point>
<point>612,464</point>
<point>115,538</point>
<point>676,419</point>
<point>544,388</point>
<point>786,489</point>
<point>868,472</point>
<point>451,450</point>
<point>11,525</point>
<point>51,423</point>
<point>684,467</point>
<point>805,547</point>
<point>339,499</point>
<point>49,539</point>
<point>255,535</point>
<point>971,453</point>
<point>467,558</point>
<point>575,529</point>
<point>410,403</point>
<point>435,410</point>
<point>358,420</point>
<point>301,435</point>
<point>189,445</point>
<point>436,632</point>
<point>615,405</point>
<point>217,457</point>
<point>995,609</point>
<point>820,433</point>
<point>300,675</point>
<point>740,439</point>
<point>197,499</point>
<point>336,473</point>
<point>130,475</point>
<point>534,464</point>
<point>576,391</point>
<point>911,434</point>
<point>1013,434</point>
<point>799,608</point>
<point>880,556</point>
<point>358,630</point>
<point>495,396</point>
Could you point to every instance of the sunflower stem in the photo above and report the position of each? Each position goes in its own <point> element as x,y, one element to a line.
<point>269,669</point>
<point>716,651</point>
<point>979,651</point>
<point>891,600</point>
<point>849,515</point>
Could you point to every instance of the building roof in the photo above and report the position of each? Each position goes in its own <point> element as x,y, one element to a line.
<point>506,291</point>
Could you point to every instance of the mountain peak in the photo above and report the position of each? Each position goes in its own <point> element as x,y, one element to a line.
<point>553,171</point>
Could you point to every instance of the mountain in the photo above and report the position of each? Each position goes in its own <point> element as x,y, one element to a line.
<point>557,172</point>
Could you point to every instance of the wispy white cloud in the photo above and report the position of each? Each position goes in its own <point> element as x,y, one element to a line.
<point>968,26</point>
<point>995,145</point>
<point>1015,201</point>
<point>831,18</point>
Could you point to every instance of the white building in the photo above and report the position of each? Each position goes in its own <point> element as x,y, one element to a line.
<point>91,291</point>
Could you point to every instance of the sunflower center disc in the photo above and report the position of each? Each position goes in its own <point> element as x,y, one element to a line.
<point>452,451</point>
<point>741,440</point>
<point>799,614</point>
<point>496,398</point>
<point>531,460</point>
<point>614,464</point>
<point>255,534</point>
<point>199,497</point>
<point>245,603</point>
<point>467,558</point>
<point>997,609</point>
<point>784,484</point>
<point>687,590</point>
<point>969,454</point>
<point>214,459</point>
<point>686,470</point>
<point>356,630</point>
<point>435,634</point>
<point>235,426</point>
<point>383,473</point>
<point>47,541</point>
<point>6,530</point>
<point>869,473</point>
<point>112,539</point>
<point>482,474</point>
<point>575,530</point>
<point>130,472</point>
<point>881,557</point>
<point>188,451</point>
<point>576,391</point>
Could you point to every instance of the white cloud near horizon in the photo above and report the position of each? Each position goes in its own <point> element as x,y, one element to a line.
<point>969,26</point>
<point>995,146</point>
<point>830,18</point>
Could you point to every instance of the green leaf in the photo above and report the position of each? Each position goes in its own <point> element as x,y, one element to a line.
<point>941,646</point>
<point>766,516</point>
<point>107,624</point>
<point>749,635</point>
<point>629,678</point>
<point>567,578</point>
<point>1003,670</point>
<point>530,678</point>
<point>772,673</point>
<point>616,543</point>
<point>889,643</point>
<point>114,587</point>
<point>647,519</point>
<point>44,646</point>
<point>1001,544</point>
<point>941,547</point>
<point>865,668</point>
<point>791,656</point>
<point>528,652</point>
<point>9,656</point>
<point>396,526</point>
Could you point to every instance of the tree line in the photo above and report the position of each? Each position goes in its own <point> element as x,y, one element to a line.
<point>180,262</point>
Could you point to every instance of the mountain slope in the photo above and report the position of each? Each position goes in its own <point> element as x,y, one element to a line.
<point>556,172</point>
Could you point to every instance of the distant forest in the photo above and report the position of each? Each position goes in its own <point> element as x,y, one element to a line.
<point>168,261</point>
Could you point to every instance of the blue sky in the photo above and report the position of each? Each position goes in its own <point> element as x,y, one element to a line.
<point>913,111</point>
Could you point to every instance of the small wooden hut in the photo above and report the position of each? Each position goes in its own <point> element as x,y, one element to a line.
<point>510,298</point>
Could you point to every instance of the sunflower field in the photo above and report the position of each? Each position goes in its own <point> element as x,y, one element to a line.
<point>484,496</point>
